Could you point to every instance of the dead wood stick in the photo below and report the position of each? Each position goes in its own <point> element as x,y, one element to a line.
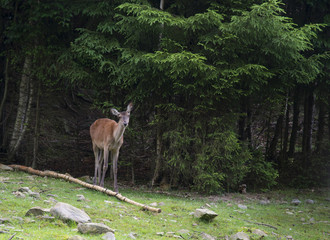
<point>84,184</point>
<point>257,223</point>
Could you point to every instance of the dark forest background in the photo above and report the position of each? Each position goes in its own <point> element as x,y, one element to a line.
<point>224,92</point>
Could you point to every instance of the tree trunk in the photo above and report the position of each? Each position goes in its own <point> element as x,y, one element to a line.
<point>284,155</point>
<point>295,122</point>
<point>23,109</point>
<point>244,123</point>
<point>36,130</point>
<point>2,104</point>
<point>321,127</point>
<point>271,154</point>
<point>158,165</point>
<point>308,124</point>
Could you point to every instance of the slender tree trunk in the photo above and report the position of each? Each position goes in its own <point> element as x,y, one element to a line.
<point>158,165</point>
<point>244,123</point>
<point>36,130</point>
<point>295,122</point>
<point>5,91</point>
<point>23,109</point>
<point>2,105</point>
<point>321,127</point>
<point>308,124</point>
<point>284,155</point>
<point>158,156</point>
<point>271,154</point>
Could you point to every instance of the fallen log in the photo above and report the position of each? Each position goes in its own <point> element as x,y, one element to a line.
<point>84,184</point>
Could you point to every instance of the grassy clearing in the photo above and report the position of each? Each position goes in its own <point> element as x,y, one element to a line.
<point>305,221</point>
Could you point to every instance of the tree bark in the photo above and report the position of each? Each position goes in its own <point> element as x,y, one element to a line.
<point>308,124</point>
<point>23,109</point>
<point>321,127</point>
<point>158,165</point>
<point>159,132</point>
<point>271,154</point>
<point>295,122</point>
<point>36,130</point>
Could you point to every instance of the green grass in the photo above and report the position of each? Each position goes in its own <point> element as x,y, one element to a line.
<point>175,215</point>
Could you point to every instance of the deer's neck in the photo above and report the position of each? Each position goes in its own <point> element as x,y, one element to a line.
<point>119,132</point>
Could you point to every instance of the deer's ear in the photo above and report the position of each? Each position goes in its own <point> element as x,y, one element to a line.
<point>129,107</point>
<point>115,112</point>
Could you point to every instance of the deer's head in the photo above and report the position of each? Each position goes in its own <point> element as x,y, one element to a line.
<point>123,116</point>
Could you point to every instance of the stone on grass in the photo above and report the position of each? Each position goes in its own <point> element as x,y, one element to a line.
<point>183,231</point>
<point>259,232</point>
<point>132,235</point>
<point>239,236</point>
<point>295,201</point>
<point>35,195</point>
<point>205,214</point>
<point>19,194</point>
<point>67,212</point>
<point>81,198</point>
<point>94,228</point>
<point>76,237</point>
<point>109,236</point>
<point>37,211</point>
<point>264,202</point>
<point>4,220</point>
<point>309,201</point>
<point>25,190</point>
<point>207,236</point>
<point>154,204</point>
<point>241,206</point>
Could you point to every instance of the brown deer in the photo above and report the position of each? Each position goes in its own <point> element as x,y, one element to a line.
<point>107,136</point>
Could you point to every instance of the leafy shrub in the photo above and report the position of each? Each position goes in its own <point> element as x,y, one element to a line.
<point>262,174</point>
<point>221,163</point>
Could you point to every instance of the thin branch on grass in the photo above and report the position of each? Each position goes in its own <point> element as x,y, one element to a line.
<point>262,224</point>
<point>87,185</point>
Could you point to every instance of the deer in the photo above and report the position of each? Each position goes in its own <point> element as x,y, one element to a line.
<point>108,136</point>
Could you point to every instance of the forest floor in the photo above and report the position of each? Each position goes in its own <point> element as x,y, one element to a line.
<point>255,214</point>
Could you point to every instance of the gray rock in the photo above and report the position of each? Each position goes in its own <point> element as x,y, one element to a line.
<point>183,231</point>
<point>76,237</point>
<point>35,195</point>
<point>132,235</point>
<point>309,201</point>
<point>295,202</point>
<point>37,211</point>
<point>4,220</point>
<point>241,206</point>
<point>5,167</point>
<point>81,198</point>
<point>205,214</point>
<point>259,232</point>
<point>153,204</point>
<point>239,236</point>
<point>94,228</point>
<point>19,194</point>
<point>109,236</point>
<point>207,236</point>
<point>67,212</point>
<point>264,202</point>
<point>25,190</point>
